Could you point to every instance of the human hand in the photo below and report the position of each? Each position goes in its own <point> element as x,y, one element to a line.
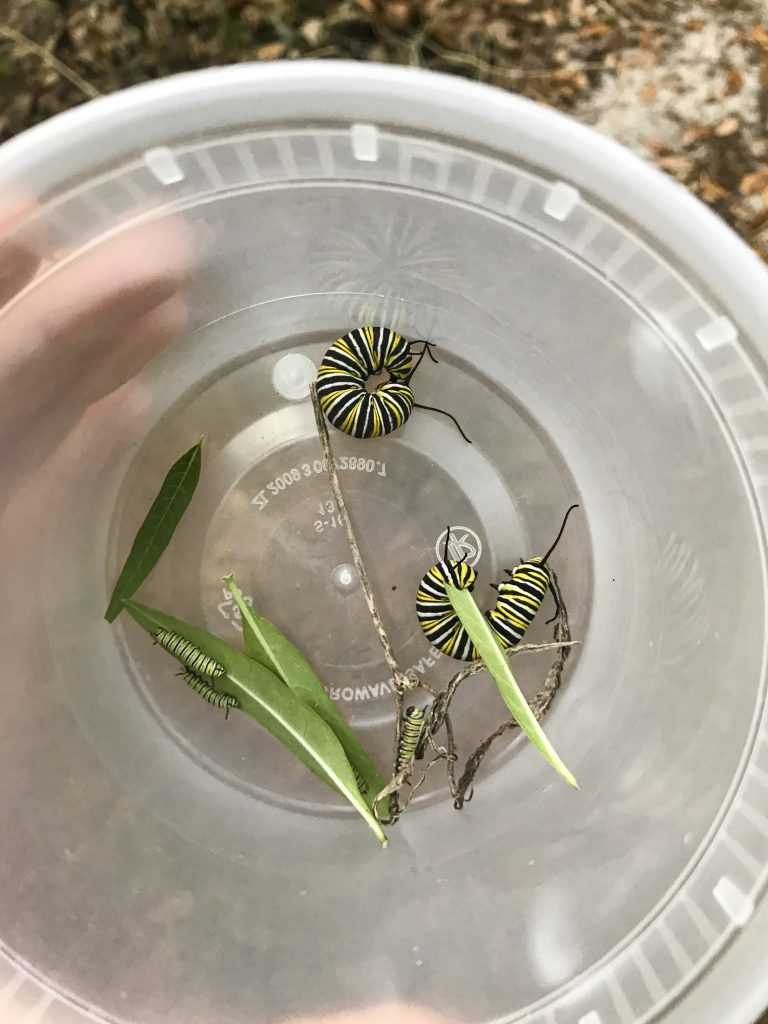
<point>396,1013</point>
<point>82,332</point>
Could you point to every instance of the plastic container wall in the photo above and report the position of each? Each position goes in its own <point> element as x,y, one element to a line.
<point>601,340</point>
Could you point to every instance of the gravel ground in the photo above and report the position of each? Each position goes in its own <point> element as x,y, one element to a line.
<point>684,84</point>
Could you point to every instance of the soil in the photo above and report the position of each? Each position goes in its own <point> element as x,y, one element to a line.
<point>684,84</point>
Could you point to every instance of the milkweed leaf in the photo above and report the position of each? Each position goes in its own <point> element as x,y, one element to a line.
<point>271,648</point>
<point>158,527</point>
<point>492,654</point>
<point>273,705</point>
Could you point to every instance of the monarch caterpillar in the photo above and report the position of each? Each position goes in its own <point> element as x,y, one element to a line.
<point>361,784</point>
<point>435,612</point>
<point>189,655</point>
<point>519,599</point>
<point>348,364</point>
<point>207,692</point>
<point>413,726</point>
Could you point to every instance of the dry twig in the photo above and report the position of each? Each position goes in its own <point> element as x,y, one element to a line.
<point>48,58</point>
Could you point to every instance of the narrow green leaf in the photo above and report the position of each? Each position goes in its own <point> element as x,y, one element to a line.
<point>267,645</point>
<point>157,529</point>
<point>492,653</point>
<point>274,706</point>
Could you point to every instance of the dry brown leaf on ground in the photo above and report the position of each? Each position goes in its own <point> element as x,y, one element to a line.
<point>597,29</point>
<point>648,92</point>
<point>728,126</point>
<point>648,39</point>
<point>734,80</point>
<point>695,133</point>
<point>711,191</point>
<point>744,214</point>
<point>312,30</point>
<point>271,51</point>
<point>678,166</point>
<point>756,181</point>
<point>397,14</point>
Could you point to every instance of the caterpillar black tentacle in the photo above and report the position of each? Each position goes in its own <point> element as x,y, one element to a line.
<point>209,693</point>
<point>426,351</point>
<point>348,364</point>
<point>519,599</point>
<point>188,654</point>
<point>432,408</point>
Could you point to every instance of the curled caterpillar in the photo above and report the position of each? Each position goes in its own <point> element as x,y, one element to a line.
<point>434,610</point>
<point>189,655</point>
<point>518,602</point>
<point>348,364</point>
<point>207,692</point>
<point>413,726</point>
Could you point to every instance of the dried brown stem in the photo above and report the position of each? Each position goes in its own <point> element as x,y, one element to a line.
<point>50,59</point>
<point>539,705</point>
<point>402,681</point>
<point>441,704</point>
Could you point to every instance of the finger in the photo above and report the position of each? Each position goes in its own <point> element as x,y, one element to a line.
<point>105,430</point>
<point>53,423</point>
<point>21,238</point>
<point>35,480</point>
<point>397,1014</point>
<point>129,353</point>
<point>109,287</point>
<point>53,334</point>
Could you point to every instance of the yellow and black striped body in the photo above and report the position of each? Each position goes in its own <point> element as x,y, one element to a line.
<point>413,726</point>
<point>189,655</point>
<point>345,368</point>
<point>361,783</point>
<point>207,692</point>
<point>519,599</point>
<point>435,613</point>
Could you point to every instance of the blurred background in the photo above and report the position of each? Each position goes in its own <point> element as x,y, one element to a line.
<point>684,84</point>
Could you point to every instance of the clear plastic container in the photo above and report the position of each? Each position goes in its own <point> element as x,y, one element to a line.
<point>601,339</point>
